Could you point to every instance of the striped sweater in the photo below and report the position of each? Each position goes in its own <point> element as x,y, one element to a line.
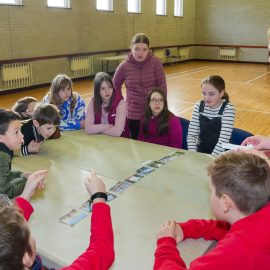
<point>227,120</point>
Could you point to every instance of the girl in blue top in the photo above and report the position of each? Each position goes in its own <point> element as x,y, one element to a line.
<point>70,104</point>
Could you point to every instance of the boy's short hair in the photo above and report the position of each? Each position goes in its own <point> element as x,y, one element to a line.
<point>244,177</point>
<point>47,114</point>
<point>21,105</point>
<point>14,237</point>
<point>7,116</point>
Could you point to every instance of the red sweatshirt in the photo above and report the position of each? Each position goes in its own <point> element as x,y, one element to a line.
<point>246,245</point>
<point>100,253</point>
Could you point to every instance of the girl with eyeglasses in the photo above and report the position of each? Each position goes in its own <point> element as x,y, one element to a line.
<point>159,125</point>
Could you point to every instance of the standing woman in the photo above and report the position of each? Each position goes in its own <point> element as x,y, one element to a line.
<point>159,125</point>
<point>106,111</point>
<point>141,71</point>
<point>69,103</point>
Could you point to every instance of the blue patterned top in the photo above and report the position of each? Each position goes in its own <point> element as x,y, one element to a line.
<point>68,121</point>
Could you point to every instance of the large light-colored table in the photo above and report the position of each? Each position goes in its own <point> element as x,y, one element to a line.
<point>177,190</point>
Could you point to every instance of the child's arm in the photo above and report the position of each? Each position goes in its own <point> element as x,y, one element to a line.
<point>11,182</point>
<point>120,120</point>
<point>34,182</point>
<point>119,78</point>
<point>208,229</point>
<point>175,132</point>
<point>167,255</point>
<point>194,129</point>
<point>100,253</point>
<point>227,123</point>
<point>90,126</point>
<point>141,136</point>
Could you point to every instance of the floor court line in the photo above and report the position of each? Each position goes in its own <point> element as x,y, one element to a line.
<point>173,77</point>
<point>186,71</point>
<point>256,78</point>
<point>253,111</point>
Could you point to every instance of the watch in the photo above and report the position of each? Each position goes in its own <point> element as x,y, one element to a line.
<point>99,195</point>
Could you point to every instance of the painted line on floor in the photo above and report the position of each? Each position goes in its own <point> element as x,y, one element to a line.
<point>256,78</point>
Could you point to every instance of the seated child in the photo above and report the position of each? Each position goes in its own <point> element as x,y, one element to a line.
<point>240,187</point>
<point>42,126</point>
<point>69,103</point>
<point>106,112</point>
<point>159,125</point>
<point>11,182</point>
<point>18,249</point>
<point>212,119</point>
<point>25,107</point>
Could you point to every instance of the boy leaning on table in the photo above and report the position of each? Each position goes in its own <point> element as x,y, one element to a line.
<point>240,188</point>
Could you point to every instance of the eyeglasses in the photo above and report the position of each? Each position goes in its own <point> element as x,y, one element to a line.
<point>155,101</point>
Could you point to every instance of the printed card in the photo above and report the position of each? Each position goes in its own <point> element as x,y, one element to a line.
<point>120,187</point>
<point>110,196</point>
<point>72,217</point>
<point>145,170</point>
<point>86,207</point>
<point>135,178</point>
<point>155,164</point>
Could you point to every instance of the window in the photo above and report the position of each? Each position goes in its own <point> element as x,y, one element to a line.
<point>58,3</point>
<point>11,2</point>
<point>161,7</point>
<point>105,5</point>
<point>178,8</point>
<point>134,6</point>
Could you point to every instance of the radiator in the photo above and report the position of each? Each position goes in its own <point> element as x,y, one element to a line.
<point>227,53</point>
<point>17,74</point>
<point>161,55</point>
<point>82,65</point>
<point>184,53</point>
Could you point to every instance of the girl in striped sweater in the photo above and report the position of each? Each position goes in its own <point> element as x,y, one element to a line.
<point>212,119</point>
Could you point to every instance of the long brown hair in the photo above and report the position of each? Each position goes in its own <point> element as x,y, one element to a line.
<point>58,83</point>
<point>163,117</point>
<point>99,79</point>
<point>217,82</point>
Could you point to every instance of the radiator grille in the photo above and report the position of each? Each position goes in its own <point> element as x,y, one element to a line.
<point>184,53</point>
<point>228,53</point>
<point>17,74</point>
<point>81,65</point>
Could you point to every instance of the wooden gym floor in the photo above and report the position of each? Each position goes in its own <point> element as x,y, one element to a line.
<point>247,84</point>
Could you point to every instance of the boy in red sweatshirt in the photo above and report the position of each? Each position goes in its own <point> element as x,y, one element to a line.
<point>240,188</point>
<point>17,246</point>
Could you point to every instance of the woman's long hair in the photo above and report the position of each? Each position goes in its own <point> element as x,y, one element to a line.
<point>58,83</point>
<point>99,79</point>
<point>162,118</point>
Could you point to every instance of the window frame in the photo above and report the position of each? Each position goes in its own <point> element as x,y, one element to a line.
<point>66,4</point>
<point>178,5</point>
<point>110,4</point>
<point>138,4</point>
<point>164,4</point>
<point>16,3</point>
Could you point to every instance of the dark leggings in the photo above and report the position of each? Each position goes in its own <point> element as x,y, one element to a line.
<point>134,127</point>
